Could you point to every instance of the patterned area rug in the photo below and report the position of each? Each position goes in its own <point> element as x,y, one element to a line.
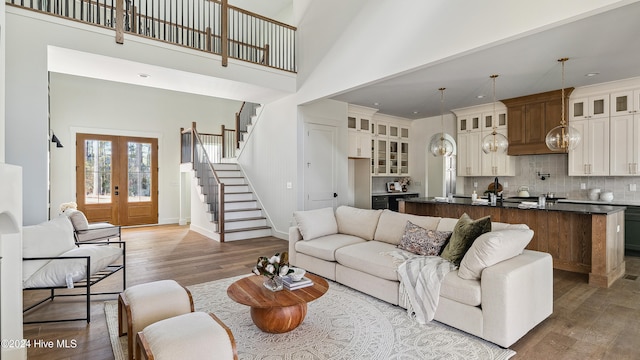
<point>342,324</point>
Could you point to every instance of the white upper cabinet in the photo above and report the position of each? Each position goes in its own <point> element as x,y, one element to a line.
<point>591,156</point>
<point>390,146</point>
<point>625,102</point>
<point>595,106</point>
<point>625,145</point>
<point>359,124</point>
<point>474,123</point>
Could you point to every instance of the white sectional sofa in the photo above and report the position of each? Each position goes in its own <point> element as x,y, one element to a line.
<point>513,291</point>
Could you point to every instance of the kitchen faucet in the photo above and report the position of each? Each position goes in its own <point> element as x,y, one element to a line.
<point>495,188</point>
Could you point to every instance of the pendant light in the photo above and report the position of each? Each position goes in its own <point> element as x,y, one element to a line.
<point>440,145</point>
<point>563,138</point>
<point>495,142</point>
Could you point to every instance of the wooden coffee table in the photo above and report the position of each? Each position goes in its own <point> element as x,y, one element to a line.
<point>280,311</point>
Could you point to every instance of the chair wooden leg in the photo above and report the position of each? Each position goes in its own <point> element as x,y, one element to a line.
<point>143,344</point>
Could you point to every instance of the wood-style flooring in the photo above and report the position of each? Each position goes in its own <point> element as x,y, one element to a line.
<point>587,323</point>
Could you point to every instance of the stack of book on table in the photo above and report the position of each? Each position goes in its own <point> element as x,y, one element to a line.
<point>290,284</point>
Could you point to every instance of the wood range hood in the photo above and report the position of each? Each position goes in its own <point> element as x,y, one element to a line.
<point>530,119</point>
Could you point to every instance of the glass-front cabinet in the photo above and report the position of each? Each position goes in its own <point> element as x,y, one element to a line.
<point>625,102</point>
<point>595,106</point>
<point>390,146</point>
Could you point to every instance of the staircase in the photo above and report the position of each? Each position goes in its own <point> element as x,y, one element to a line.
<point>243,218</point>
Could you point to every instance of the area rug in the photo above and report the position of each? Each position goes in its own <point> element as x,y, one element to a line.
<point>342,324</point>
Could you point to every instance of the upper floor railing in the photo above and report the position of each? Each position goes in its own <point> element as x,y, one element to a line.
<point>207,25</point>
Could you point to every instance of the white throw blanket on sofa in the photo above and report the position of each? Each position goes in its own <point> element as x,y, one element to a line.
<point>421,277</point>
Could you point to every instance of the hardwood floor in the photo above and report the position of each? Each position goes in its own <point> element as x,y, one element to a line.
<point>587,323</point>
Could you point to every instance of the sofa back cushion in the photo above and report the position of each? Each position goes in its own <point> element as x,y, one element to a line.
<point>391,225</point>
<point>464,234</point>
<point>357,222</point>
<point>316,223</point>
<point>491,248</point>
<point>47,239</point>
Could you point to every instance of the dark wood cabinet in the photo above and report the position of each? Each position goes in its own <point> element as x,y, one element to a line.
<point>530,119</point>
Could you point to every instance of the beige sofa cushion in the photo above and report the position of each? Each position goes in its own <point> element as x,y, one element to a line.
<point>357,222</point>
<point>316,223</point>
<point>370,257</point>
<point>492,248</point>
<point>391,225</point>
<point>455,288</point>
<point>325,247</point>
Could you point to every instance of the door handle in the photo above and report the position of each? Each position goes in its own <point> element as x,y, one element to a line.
<point>116,193</point>
<point>335,195</point>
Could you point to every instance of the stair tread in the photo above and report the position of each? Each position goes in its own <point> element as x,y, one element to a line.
<point>238,210</point>
<point>246,219</point>
<point>247,229</point>
<point>238,201</point>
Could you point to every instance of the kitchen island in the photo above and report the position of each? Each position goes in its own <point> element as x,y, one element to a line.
<point>583,238</point>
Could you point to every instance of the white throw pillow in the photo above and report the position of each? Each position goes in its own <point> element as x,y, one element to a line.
<point>316,223</point>
<point>358,222</point>
<point>56,271</point>
<point>50,238</point>
<point>491,248</point>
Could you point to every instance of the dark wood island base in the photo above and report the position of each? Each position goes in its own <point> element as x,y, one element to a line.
<point>581,238</point>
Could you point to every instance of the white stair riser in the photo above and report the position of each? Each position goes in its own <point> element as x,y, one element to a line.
<point>240,205</point>
<point>237,197</point>
<point>236,189</point>
<point>244,235</point>
<point>245,224</point>
<point>228,173</point>
<point>234,215</point>
<point>233,180</point>
<point>226,167</point>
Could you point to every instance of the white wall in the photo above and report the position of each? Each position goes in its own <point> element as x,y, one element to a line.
<point>83,105</point>
<point>2,78</point>
<point>269,161</point>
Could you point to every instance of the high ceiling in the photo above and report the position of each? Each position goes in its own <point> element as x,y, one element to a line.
<point>606,44</point>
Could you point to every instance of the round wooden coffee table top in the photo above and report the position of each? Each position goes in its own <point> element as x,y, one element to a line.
<point>250,291</point>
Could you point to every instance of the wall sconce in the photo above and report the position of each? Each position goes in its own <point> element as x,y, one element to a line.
<point>54,139</point>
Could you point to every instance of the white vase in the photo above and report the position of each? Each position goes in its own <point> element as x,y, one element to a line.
<point>606,196</point>
<point>594,194</point>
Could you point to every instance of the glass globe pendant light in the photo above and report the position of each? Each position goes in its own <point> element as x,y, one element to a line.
<point>563,138</point>
<point>495,142</point>
<point>440,145</point>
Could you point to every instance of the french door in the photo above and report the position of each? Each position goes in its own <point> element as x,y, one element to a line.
<point>117,179</point>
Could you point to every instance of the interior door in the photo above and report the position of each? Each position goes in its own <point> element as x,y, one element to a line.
<point>117,179</point>
<point>320,167</point>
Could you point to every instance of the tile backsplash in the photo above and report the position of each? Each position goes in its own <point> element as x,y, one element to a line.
<point>558,182</point>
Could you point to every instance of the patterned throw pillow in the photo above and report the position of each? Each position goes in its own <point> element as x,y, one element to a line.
<point>464,234</point>
<point>421,241</point>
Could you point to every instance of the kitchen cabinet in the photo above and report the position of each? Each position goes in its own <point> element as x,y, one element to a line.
<point>390,146</point>
<point>591,156</point>
<point>531,118</point>
<point>625,145</point>
<point>469,156</point>
<point>594,106</point>
<point>473,124</point>
<point>497,164</point>
<point>359,126</point>
<point>625,102</point>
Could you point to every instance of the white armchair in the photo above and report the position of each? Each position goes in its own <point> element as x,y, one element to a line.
<point>53,260</point>
<point>83,231</point>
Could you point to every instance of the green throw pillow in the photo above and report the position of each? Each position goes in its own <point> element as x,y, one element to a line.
<point>464,233</point>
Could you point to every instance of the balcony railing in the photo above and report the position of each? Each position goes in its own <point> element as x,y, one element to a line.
<point>206,25</point>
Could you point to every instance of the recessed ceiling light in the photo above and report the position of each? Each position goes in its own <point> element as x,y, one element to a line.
<point>144,76</point>
<point>416,112</point>
<point>592,74</point>
<point>480,96</point>
<point>376,103</point>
